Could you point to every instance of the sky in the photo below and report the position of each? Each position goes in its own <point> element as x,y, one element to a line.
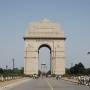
<point>72,15</point>
<point>44,59</point>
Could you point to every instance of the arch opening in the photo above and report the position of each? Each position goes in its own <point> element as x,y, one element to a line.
<point>44,60</point>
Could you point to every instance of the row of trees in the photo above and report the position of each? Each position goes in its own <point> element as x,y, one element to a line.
<point>11,72</point>
<point>78,69</point>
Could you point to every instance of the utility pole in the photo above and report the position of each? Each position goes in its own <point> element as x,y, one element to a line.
<point>13,66</point>
<point>6,67</point>
<point>13,61</point>
<point>72,69</point>
<point>7,70</point>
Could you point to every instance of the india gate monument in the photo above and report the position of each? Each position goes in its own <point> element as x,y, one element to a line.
<point>44,33</point>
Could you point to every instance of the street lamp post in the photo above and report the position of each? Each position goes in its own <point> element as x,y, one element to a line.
<point>13,61</point>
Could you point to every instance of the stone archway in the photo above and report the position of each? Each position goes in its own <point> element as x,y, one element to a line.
<point>41,33</point>
<point>44,65</point>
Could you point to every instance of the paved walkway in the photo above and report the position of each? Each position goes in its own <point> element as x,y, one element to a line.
<point>3,83</point>
<point>12,83</point>
<point>71,80</point>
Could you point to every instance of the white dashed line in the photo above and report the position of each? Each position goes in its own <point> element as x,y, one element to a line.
<point>49,85</point>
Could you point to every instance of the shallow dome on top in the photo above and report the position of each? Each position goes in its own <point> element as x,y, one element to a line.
<point>44,29</point>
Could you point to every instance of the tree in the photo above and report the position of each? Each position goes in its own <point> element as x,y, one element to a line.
<point>88,71</point>
<point>22,70</point>
<point>81,68</point>
<point>67,71</point>
<point>78,69</point>
<point>1,71</point>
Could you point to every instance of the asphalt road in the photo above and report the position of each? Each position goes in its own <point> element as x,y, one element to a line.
<point>49,84</point>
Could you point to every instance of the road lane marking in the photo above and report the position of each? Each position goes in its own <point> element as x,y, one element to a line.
<point>49,85</point>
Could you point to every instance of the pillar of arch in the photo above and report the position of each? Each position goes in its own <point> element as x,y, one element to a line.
<point>39,34</point>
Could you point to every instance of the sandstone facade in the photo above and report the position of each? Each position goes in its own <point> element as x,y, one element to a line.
<point>44,33</point>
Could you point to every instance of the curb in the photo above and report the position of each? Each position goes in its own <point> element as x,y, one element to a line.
<point>69,80</point>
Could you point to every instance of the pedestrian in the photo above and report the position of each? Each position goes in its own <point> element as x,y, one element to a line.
<point>79,80</point>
